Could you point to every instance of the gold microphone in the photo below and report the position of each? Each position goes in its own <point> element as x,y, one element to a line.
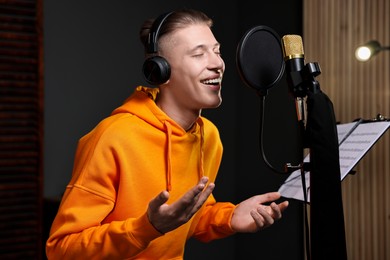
<point>294,57</point>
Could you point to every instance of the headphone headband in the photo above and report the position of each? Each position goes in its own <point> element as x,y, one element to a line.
<point>154,32</point>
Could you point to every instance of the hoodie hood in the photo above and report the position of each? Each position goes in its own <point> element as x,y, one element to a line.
<point>142,104</point>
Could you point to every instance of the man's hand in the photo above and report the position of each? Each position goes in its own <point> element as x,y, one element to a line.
<point>251,215</point>
<point>166,217</point>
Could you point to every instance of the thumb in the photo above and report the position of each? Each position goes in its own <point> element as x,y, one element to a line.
<point>159,200</point>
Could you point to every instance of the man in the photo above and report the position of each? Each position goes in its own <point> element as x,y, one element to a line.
<point>143,178</point>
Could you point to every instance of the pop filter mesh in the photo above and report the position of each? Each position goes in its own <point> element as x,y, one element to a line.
<point>260,58</point>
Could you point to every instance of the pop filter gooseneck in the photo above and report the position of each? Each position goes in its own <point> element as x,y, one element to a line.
<point>260,63</point>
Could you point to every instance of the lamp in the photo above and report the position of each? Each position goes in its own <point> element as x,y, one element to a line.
<point>371,48</point>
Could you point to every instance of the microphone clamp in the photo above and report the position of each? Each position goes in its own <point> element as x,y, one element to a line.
<point>303,80</point>
<point>289,168</point>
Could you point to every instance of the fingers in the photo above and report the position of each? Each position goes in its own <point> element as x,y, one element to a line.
<point>262,218</point>
<point>265,216</point>
<point>159,200</point>
<point>165,217</point>
<point>201,184</point>
<point>194,198</point>
<point>276,211</point>
<point>283,205</point>
<point>270,196</point>
<point>155,205</point>
<point>198,189</point>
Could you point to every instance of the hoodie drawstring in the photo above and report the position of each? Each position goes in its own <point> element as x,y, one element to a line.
<point>168,128</point>
<point>169,155</point>
<point>201,170</point>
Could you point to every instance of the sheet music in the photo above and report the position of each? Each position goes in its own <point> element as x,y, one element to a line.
<point>353,146</point>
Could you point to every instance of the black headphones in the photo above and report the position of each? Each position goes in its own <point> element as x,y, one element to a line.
<point>156,69</point>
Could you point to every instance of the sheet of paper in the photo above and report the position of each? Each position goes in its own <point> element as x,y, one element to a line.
<point>353,146</point>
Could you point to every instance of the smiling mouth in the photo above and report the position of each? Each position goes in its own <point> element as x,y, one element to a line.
<point>215,81</point>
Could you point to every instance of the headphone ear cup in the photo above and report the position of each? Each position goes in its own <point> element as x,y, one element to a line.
<point>156,70</point>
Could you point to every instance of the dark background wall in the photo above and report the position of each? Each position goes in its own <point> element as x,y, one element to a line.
<point>93,61</point>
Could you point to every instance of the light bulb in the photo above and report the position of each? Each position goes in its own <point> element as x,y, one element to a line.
<point>363,53</point>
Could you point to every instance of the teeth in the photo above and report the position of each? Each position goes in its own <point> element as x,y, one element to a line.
<point>212,81</point>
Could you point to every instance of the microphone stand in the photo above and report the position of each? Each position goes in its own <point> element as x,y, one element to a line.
<point>326,236</point>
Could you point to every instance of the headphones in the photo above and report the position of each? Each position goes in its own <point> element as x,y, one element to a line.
<point>156,69</point>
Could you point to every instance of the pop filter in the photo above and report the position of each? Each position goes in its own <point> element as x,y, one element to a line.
<point>260,59</point>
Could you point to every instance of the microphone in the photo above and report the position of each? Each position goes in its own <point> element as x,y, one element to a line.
<point>293,52</point>
<point>294,58</point>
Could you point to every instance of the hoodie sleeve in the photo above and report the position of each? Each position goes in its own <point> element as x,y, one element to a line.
<point>214,222</point>
<point>77,232</point>
<point>80,229</point>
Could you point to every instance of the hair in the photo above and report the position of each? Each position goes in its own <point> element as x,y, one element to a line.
<point>176,20</point>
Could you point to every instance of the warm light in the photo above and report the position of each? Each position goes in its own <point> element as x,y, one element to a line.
<point>365,52</point>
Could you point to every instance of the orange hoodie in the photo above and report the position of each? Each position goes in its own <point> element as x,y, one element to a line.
<point>122,164</point>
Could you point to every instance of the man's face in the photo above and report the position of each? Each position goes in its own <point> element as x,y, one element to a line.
<point>196,67</point>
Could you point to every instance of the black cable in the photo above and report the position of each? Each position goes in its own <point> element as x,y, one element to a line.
<point>261,138</point>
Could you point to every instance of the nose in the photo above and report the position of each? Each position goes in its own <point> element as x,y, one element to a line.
<point>217,62</point>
